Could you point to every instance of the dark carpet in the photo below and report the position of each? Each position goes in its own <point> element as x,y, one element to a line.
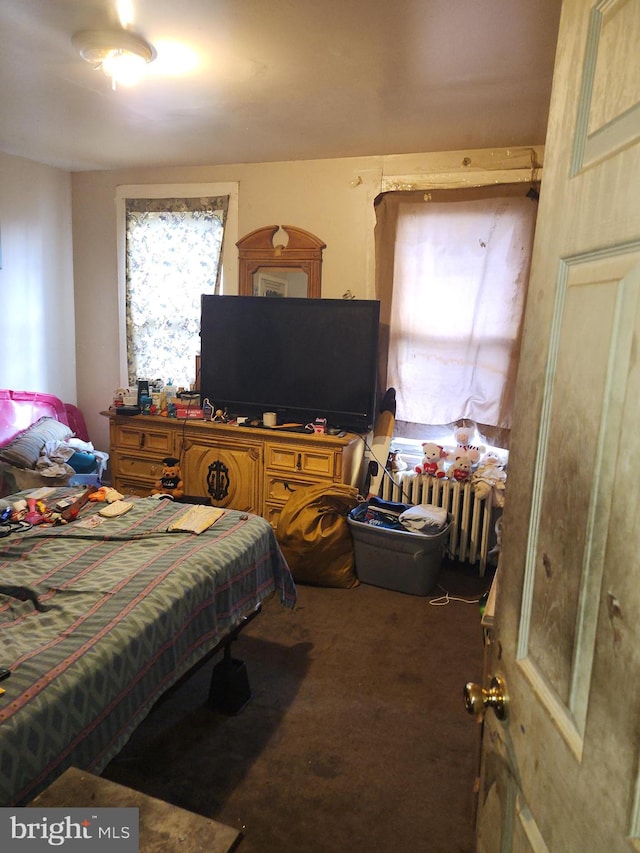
<point>355,739</point>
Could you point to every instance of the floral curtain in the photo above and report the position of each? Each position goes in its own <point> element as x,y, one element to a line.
<point>173,256</point>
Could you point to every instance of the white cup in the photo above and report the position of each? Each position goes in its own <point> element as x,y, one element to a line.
<point>269,419</point>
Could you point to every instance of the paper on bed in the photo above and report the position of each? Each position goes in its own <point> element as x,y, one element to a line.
<point>196,519</point>
<point>424,518</point>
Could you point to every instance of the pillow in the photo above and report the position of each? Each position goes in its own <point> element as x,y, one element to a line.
<point>23,451</point>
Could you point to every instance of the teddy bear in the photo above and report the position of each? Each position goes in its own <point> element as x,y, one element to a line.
<point>432,460</point>
<point>170,482</point>
<point>463,436</point>
<point>461,469</point>
<point>490,476</point>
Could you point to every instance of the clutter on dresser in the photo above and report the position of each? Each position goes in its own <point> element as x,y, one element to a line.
<point>153,397</point>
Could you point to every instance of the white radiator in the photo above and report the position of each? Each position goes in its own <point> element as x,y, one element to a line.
<point>471,518</point>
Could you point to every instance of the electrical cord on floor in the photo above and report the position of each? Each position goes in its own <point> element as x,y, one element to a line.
<point>447,598</point>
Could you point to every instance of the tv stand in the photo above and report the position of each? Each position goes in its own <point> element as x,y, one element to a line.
<point>253,469</point>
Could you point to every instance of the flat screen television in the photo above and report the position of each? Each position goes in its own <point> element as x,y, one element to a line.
<point>300,358</point>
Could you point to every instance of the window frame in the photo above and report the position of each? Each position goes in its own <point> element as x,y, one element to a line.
<point>229,253</point>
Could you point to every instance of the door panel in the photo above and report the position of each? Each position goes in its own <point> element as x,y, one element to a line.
<point>596,305</point>
<point>608,106</point>
<point>229,474</point>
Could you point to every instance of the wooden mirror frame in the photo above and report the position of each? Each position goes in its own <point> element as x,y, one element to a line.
<point>302,252</point>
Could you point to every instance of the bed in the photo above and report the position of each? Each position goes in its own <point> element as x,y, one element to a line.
<point>113,616</point>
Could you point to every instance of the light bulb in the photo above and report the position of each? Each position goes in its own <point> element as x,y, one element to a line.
<point>124,68</point>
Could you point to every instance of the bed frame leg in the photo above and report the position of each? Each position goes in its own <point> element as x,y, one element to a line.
<point>230,690</point>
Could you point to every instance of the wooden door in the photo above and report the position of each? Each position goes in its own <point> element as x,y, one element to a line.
<point>562,772</point>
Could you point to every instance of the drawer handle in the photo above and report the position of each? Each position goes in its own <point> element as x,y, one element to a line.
<point>299,461</point>
<point>142,437</point>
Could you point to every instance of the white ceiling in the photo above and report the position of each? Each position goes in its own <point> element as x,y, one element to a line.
<point>278,80</point>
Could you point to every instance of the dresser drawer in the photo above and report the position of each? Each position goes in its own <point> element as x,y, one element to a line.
<point>145,439</point>
<point>272,513</point>
<point>280,488</point>
<point>298,459</point>
<point>139,467</point>
<point>128,487</point>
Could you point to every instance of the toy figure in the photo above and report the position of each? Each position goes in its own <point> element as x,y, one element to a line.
<point>463,436</point>
<point>170,482</point>
<point>461,469</point>
<point>395,462</point>
<point>432,463</point>
<point>490,476</point>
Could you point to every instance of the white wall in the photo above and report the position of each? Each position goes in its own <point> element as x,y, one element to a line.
<point>332,199</point>
<point>37,326</point>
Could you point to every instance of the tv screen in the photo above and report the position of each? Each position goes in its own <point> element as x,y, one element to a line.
<point>301,358</point>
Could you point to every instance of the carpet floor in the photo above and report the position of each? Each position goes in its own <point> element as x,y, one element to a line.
<point>355,739</point>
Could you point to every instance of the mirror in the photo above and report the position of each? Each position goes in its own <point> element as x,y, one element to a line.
<point>270,267</point>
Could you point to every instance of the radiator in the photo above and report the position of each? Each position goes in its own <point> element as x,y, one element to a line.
<point>472,519</point>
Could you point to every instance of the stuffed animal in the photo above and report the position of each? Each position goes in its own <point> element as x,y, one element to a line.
<point>395,462</point>
<point>432,460</point>
<point>490,476</point>
<point>105,494</point>
<point>461,469</point>
<point>463,436</point>
<point>170,482</point>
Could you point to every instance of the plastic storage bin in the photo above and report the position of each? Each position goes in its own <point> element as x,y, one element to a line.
<point>397,559</point>
<point>85,480</point>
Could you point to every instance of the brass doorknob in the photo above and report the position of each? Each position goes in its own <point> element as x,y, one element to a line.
<point>477,698</point>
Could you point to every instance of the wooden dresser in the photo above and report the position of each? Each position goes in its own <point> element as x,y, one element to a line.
<point>254,470</point>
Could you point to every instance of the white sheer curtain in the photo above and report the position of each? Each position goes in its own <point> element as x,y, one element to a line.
<point>459,281</point>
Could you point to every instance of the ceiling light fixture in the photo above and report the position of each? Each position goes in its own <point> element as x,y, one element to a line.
<point>120,54</point>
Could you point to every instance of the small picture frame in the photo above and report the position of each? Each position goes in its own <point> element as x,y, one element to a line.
<point>270,285</point>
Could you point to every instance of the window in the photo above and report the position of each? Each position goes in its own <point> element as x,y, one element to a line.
<point>171,253</point>
<point>454,268</point>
